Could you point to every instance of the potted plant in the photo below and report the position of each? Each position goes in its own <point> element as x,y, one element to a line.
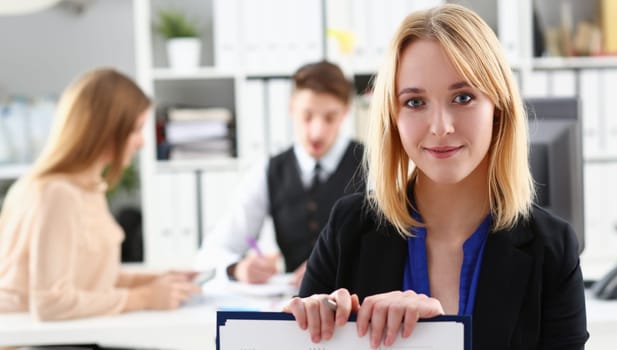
<point>183,43</point>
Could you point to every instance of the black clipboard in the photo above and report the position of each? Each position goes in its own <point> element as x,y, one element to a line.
<point>223,316</point>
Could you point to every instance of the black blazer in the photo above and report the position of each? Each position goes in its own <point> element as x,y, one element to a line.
<point>530,293</point>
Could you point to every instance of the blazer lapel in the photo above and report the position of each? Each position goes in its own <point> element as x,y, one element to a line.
<point>504,276</point>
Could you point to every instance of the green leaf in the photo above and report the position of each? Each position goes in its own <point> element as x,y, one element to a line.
<point>174,24</point>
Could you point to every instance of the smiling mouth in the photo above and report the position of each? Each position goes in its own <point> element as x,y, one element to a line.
<point>446,149</point>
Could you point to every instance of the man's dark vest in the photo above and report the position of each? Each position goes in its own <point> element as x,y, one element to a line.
<point>297,213</point>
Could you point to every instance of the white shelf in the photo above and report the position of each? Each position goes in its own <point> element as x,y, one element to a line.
<point>216,73</point>
<point>13,171</point>
<point>198,73</point>
<point>575,62</point>
<point>601,158</point>
<point>197,164</point>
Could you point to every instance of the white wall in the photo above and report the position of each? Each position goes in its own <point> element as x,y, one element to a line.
<point>41,53</point>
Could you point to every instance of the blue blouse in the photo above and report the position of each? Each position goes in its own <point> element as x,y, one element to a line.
<point>416,269</point>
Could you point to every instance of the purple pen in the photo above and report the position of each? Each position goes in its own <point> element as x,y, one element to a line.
<point>252,242</point>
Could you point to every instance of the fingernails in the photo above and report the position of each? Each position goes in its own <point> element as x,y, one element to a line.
<point>388,341</point>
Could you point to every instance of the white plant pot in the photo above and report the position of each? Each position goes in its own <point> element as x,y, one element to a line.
<point>184,53</point>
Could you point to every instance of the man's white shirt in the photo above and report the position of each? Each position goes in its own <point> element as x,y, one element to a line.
<point>227,243</point>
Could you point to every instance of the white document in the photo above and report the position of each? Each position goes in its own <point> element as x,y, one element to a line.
<point>237,334</point>
<point>277,285</point>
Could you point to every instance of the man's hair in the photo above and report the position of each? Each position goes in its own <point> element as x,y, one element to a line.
<point>323,77</point>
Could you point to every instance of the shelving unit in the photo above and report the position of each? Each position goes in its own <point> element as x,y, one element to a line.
<point>260,131</point>
<point>197,74</point>
<point>594,81</point>
<point>181,198</point>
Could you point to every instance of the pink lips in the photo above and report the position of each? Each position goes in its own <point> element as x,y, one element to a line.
<point>442,152</point>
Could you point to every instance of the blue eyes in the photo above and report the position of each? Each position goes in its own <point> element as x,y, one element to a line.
<point>416,102</point>
<point>463,98</point>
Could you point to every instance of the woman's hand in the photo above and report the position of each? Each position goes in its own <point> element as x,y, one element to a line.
<point>385,314</point>
<point>169,290</point>
<point>313,312</point>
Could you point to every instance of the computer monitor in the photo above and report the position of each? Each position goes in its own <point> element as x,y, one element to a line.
<point>556,158</point>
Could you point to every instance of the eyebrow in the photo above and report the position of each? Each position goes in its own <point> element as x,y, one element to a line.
<point>414,90</point>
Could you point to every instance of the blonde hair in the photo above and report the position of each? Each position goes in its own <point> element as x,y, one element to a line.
<point>477,56</point>
<point>96,115</point>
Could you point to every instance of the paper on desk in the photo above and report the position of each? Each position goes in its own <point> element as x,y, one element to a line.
<point>277,285</point>
<point>239,334</point>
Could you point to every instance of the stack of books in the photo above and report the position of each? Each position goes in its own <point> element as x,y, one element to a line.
<point>199,133</point>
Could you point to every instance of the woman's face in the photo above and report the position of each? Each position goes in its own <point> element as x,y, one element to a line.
<point>445,125</point>
<point>136,139</point>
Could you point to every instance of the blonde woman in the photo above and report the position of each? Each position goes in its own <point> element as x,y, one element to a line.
<point>59,243</point>
<point>450,225</point>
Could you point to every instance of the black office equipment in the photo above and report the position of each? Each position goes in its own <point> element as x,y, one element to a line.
<point>556,158</point>
<point>606,287</point>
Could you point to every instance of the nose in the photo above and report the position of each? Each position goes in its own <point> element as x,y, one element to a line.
<point>441,121</point>
<point>317,128</point>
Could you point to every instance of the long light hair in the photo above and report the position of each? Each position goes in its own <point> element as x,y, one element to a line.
<point>477,56</point>
<point>95,116</point>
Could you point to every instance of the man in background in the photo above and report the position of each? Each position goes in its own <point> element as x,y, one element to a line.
<point>297,187</point>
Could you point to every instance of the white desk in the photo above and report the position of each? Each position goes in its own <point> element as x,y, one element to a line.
<point>193,327</point>
<point>187,328</point>
<point>601,323</point>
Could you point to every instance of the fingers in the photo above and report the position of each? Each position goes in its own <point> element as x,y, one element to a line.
<point>171,290</point>
<point>190,275</point>
<point>364,315</point>
<point>378,322</point>
<point>272,258</point>
<point>386,313</point>
<point>327,319</point>
<point>344,305</point>
<point>313,306</point>
<point>174,277</point>
<point>256,269</point>
<point>296,307</point>
<point>313,313</point>
<point>394,318</point>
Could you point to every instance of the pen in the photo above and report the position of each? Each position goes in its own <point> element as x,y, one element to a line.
<point>253,244</point>
<point>330,304</point>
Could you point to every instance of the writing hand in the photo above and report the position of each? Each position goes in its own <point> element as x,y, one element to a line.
<point>256,269</point>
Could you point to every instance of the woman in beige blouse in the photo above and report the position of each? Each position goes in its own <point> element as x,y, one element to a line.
<point>59,244</point>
